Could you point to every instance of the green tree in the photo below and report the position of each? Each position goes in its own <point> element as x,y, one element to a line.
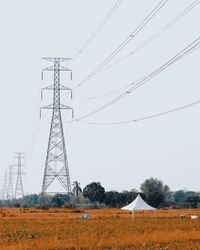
<point>111,198</point>
<point>121,199</point>
<point>115,199</point>
<point>130,196</point>
<point>193,201</point>
<point>31,200</point>
<point>94,192</point>
<point>179,195</point>
<point>157,194</point>
<point>59,200</point>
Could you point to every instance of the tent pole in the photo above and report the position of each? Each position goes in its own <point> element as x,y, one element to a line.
<point>154,211</point>
<point>133,215</point>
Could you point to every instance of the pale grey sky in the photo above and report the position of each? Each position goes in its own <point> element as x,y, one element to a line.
<point>121,157</point>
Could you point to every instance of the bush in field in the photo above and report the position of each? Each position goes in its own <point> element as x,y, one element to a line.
<point>157,194</point>
<point>31,200</point>
<point>57,201</point>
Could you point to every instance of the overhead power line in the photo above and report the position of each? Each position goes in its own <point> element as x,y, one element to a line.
<point>160,31</point>
<point>189,49</point>
<point>125,42</point>
<point>145,117</point>
<point>99,28</point>
<point>150,39</point>
<point>103,95</point>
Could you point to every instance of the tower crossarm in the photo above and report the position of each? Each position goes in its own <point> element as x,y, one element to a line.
<point>51,106</point>
<point>60,59</point>
<point>51,68</point>
<point>62,87</point>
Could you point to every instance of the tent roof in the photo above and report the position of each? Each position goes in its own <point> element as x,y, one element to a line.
<point>138,204</point>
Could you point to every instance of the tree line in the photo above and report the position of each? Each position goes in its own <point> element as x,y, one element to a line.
<point>153,191</point>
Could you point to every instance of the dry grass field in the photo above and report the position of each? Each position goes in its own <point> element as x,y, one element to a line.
<point>59,229</point>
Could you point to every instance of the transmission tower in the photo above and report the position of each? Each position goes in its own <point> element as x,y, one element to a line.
<point>10,184</point>
<point>19,191</point>
<point>56,164</point>
<point>5,186</point>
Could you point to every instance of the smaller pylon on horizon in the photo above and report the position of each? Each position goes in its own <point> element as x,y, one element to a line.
<point>19,190</point>
<point>5,186</point>
<point>10,184</point>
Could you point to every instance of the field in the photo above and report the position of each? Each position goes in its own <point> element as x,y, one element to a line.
<point>59,229</point>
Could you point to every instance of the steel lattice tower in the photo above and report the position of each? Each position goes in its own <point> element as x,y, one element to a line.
<point>10,184</point>
<point>56,164</point>
<point>19,191</point>
<point>5,186</point>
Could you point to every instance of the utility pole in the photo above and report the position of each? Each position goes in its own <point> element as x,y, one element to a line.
<point>56,164</point>
<point>10,184</point>
<point>19,191</point>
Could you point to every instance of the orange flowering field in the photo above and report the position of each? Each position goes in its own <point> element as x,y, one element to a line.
<point>59,229</point>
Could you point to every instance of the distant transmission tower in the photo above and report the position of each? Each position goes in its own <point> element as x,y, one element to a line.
<point>19,191</point>
<point>5,186</point>
<point>10,184</point>
<point>56,165</point>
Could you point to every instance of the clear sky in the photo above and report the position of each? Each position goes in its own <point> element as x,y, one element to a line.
<point>121,157</point>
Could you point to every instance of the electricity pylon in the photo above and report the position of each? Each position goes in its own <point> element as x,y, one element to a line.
<point>19,191</point>
<point>56,164</point>
<point>5,186</point>
<point>10,195</point>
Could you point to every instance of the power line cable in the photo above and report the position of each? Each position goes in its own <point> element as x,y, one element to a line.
<point>189,49</point>
<point>125,42</point>
<point>145,117</point>
<point>99,28</point>
<point>160,31</point>
<point>103,95</point>
<point>153,37</point>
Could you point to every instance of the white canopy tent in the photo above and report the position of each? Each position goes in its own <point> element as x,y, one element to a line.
<point>137,204</point>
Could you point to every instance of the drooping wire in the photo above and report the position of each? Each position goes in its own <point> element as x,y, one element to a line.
<point>189,49</point>
<point>125,42</point>
<point>159,32</point>
<point>99,28</point>
<point>104,94</point>
<point>31,140</point>
<point>145,117</point>
<point>153,37</point>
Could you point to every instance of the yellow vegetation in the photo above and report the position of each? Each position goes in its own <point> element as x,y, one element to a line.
<point>60,229</point>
